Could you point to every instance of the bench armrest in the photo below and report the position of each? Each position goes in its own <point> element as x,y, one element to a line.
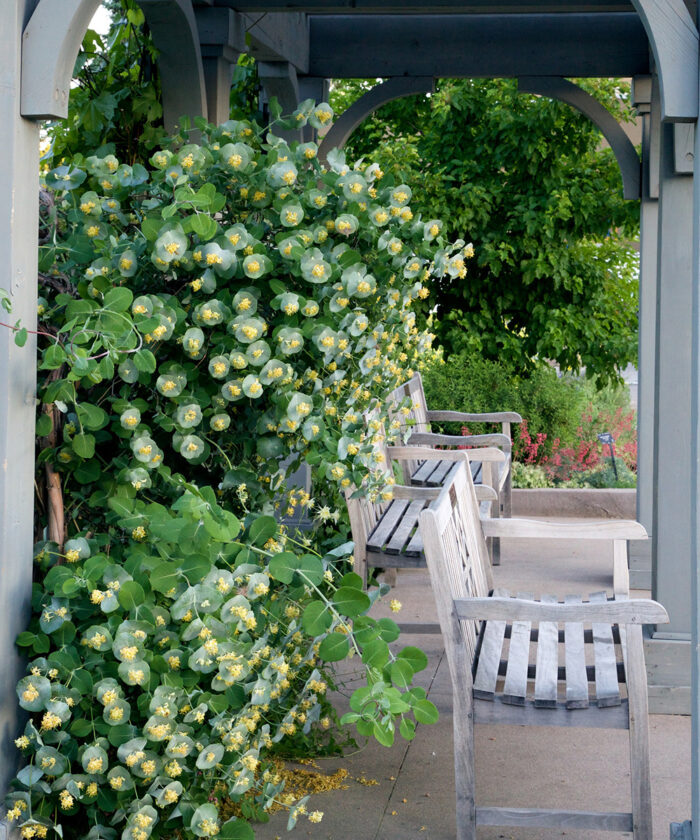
<point>412,493</point>
<point>424,453</point>
<point>484,493</point>
<point>633,611</point>
<point>603,529</point>
<point>433,439</point>
<point>463,417</point>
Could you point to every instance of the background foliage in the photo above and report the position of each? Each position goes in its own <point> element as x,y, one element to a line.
<point>523,178</point>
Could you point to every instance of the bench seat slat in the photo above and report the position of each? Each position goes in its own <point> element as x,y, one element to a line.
<point>486,675</point>
<point>415,546</point>
<point>547,663</point>
<point>405,528</point>
<point>422,475</point>
<point>387,524</point>
<point>607,687</point>
<point>515,688</point>
<point>575,657</point>
<point>441,473</point>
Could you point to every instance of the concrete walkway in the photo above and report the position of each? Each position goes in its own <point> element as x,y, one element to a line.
<point>518,766</point>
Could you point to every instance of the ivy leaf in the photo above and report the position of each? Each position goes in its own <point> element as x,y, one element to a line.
<point>21,337</point>
<point>164,577</point>
<point>334,647</point>
<point>145,361</point>
<point>415,658</point>
<point>350,601</point>
<point>118,299</point>
<point>316,618</point>
<point>262,529</point>
<point>131,595</point>
<point>407,729</point>
<point>204,226</point>
<point>44,425</point>
<point>84,445</point>
<point>236,829</point>
<point>425,712</point>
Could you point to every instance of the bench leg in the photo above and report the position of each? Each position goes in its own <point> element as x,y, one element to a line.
<point>639,734</point>
<point>507,496</point>
<point>463,727</point>
<point>390,576</point>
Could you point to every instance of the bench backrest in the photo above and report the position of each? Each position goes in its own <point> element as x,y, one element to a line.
<point>458,561</point>
<point>363,513</point>
<point>408,412</point>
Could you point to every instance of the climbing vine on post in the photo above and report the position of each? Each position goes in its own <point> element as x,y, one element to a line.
<point>208,319</point>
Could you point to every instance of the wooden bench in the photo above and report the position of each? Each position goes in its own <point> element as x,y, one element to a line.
<point>411,417</point>
<point>386,534</point>
<point>518,660</point>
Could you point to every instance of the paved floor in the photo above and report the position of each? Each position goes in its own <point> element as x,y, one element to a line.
<point>518,766</point>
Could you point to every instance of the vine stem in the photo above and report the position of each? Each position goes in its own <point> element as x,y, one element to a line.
<point>33,332</point>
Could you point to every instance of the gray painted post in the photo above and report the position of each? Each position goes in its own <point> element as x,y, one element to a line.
<point>668,649</point>
<point>671,514</point>
<point>640,550</point>
<point>695,511</point>
<point>217,38</point>
<point>279,79</point>
<point>19,208</point>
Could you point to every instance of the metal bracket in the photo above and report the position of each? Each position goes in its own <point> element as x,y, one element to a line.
<point>681,831</point>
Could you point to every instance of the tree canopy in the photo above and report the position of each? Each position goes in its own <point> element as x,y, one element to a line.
<point>526,180</point>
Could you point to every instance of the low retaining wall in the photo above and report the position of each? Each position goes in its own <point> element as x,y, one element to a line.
<point>597,504</point>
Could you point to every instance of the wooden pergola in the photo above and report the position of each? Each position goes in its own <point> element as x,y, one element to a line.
<point>299,46</point>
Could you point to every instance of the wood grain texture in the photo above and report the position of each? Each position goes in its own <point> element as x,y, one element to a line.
<point>607,687</point>
<point>592,820</point>
<point>637,611</point>
<point>575,660</point>
<point>603,529</point>
<point>489,712</point>
<point>464,417</point>
<point>515,687</point>
<point>547,663</point>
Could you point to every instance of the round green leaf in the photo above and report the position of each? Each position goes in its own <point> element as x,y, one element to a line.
<point>350,601</point>
<point>425,712</point>
<point>415,658</point>
<point>334,647</point>
<point>131,594</point>
<point>316,618</point>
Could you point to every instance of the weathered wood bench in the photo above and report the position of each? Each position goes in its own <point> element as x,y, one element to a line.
<point>411,417</point>
<point>386,534</point>
<point>517,660</point>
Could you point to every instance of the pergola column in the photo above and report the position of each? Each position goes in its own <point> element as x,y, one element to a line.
<point>668,650</point>
<point>19,207</point>
<point>647,106</point>
<point>217,38</point>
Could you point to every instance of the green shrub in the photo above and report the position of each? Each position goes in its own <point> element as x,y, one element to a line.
<point>604,476</point>
<point>552,405</point>
<point>528,476</point>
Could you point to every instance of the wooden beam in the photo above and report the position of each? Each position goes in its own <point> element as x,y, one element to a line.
<point>423,7</point>
<point>471,46</point>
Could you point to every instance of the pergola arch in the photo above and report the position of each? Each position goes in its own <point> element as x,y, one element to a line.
<point>552,87</point>
<point>47,70</point>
